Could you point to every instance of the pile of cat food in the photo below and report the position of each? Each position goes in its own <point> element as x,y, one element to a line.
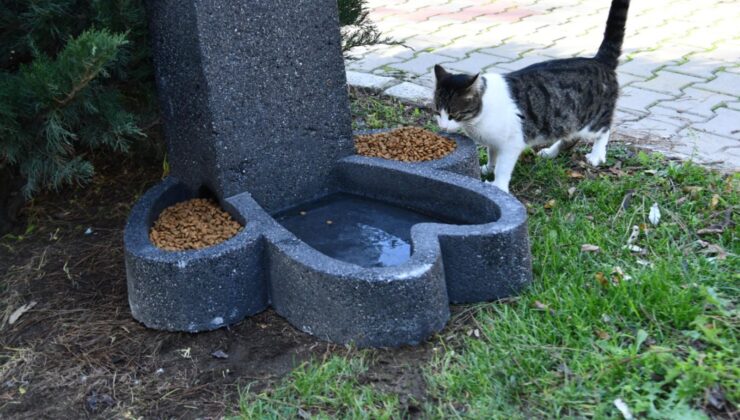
<point>193,224</point>
<point>408,144</point>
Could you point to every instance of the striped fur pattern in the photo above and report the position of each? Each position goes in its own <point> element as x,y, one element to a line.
<point>554,103</point>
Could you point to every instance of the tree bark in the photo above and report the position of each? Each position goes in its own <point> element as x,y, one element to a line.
<point>11,200</point>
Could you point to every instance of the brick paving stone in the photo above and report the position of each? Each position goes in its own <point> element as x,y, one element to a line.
<point>379,57</point>
<point>421,64</point>
<point>431,42</point>
<point>699,102</point>
<point>653,125</point>
<point>680,118</point>
<point>410,92</point>
<point>697,68</point>
<point>725,123</point>
<point>621,116</point>
<point>710,147</point>
<point>667,82</point>
<point>509,50</point>
<point>461,47</point>
<point>625,79</point>
<point>640,100</point>
<point>641,66</point>
<point>727,83</point>
<point>477,62</point>
<point>371,81</point>
<point>427,80</point>
<point>523,62</point>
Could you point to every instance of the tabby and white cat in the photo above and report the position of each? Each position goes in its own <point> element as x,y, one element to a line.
<point>553,103</point>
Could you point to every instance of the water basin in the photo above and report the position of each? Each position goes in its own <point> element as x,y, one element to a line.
<point>357,230</point>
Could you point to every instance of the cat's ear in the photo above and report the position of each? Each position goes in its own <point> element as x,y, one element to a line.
<point>472,81</point>
<point>439,72</point>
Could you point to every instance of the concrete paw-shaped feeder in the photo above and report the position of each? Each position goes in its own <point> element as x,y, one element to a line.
<point>256,112</point>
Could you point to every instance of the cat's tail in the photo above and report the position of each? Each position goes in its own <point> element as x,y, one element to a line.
<point>611,47</point>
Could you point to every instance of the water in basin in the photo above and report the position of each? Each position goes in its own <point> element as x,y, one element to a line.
<point>356,230</point>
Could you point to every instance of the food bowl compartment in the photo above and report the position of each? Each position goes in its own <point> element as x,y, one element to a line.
<point>463,160</point>
<point>194,290</point>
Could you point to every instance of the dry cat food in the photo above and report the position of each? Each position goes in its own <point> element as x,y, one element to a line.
<point>408,144</point>
<point>193,224</point>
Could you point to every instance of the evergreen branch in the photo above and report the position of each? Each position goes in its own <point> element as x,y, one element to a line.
<point>86,79</point>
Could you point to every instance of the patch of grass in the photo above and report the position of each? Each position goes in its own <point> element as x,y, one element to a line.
<point>662,336</point>
<point>371,112</point>
<point>326,389</point>
<point>657,328</point>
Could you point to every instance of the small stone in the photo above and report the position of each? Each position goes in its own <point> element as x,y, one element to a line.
<point>219,354</point>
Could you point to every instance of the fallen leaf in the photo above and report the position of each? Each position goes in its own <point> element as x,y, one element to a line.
<point>618,275</point>
<point>575,175</point>
<point>651,172</point>
<point>693,191</point>
<point>623,408</point>
<point>716,397</point>
<point>543,307</point>
<point>681,200</point>
<point>219,354</point>
<point>710,231</point>
<point>654,215</point>
<point>590,248</point>
<point>635,249</point>
<point>571,192</point>
<point>303,414</point>
<point>551,204</point>
<point>20,311</point>
<point>626,200</point>
<point>643,262</point>
<point>713,249</point>
<point>474,332</point>
<point>601,278</point>
<point>603,335</point>
<point>715,202</point>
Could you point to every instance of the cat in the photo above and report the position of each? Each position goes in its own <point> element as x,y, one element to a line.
<point>553,103</point>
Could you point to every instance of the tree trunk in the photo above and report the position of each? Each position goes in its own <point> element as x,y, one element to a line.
<point>11,199</point>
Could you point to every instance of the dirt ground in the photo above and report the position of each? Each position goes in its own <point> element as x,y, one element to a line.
<point>79,353</point>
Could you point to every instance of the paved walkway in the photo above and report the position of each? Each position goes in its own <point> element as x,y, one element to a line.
<point>680,71</point>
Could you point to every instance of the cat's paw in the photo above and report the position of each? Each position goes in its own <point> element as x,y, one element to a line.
<point>485,170</point>
<point>504,188</point>
<point>596,159</point>
<point>547,153</point>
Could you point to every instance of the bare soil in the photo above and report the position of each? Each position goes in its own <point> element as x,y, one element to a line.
<point>79,353</point>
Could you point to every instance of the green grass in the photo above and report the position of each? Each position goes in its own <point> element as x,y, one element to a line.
<point>662,336</point>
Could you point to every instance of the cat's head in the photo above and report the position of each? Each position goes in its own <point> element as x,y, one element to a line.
<point>458,98</point>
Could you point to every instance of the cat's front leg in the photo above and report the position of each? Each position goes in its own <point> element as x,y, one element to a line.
<point>487,169</point>
<point>506,159</point>
<point>598,153</point>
